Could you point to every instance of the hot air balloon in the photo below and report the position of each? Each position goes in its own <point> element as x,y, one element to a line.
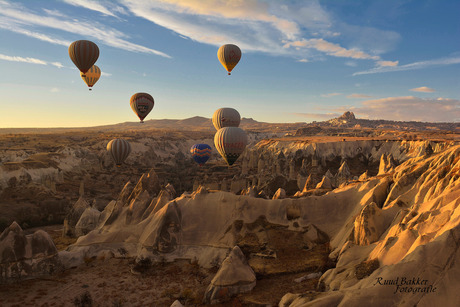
<point>91,76</point>
<point>119,149</point>
<point>142,104</point>
<point>226,117</point>
<point>229,55</point>
<point>201,153</point>
<point>230,142</point>
<point>83,54</point>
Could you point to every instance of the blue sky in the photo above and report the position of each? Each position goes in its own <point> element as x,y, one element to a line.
<point>302,60</point>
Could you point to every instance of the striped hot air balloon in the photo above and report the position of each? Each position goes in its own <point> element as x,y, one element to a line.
<point>229,55</point>
<point>226,117</point>
<point>83,54</point>
<point>142,104</point>
<point>91,76</point>
<point>230,142</point>
<point>201,153</point>
<point>119,149</point>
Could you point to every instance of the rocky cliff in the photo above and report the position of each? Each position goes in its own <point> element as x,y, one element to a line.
<point>393,238</point>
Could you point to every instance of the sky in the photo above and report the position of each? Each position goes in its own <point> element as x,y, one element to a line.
<point>302,60</point>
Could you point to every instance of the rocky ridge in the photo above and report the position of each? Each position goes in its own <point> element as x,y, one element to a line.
<point>390,226</point>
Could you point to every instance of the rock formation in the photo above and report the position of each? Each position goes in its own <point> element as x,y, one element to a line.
<point>73,217</point>
<point>26,256</point>
<point>234,276</point>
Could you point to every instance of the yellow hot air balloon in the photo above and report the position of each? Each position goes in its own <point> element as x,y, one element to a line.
<point>229,55</point>
<point>91,76</point>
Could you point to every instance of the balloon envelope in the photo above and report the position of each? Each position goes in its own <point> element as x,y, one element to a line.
<point>142,104</point>
<point>201,153</point>
<point>91,76</point>
<point>230,142</point>
<point>83,54</point>
<point>229,55</point>
<point>119,150</point>
<point>226,117</point>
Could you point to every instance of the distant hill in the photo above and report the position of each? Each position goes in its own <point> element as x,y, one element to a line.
<point>199,123</point>
<point>196,123</point>
<point>348,120</point>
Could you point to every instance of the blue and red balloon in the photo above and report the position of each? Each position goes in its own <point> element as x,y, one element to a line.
<point>201,153</point>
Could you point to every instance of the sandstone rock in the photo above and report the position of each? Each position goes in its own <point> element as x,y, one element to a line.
<point>26,256</point>
<point>279,194</point>
<point>235,276</point>
<point>87,222</point>
<point>73,217</point>
<point>325,183</point>
<point>176,303</point>
<point>387,164</point>
<point>369,225</point>
<point>343,174</point>
<point>172,192</point>
<point>148,182</point>
<point>308,184</point>
<point>364,176</point>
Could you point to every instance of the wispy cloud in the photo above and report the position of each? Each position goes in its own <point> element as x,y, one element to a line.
<point>28,60</point>
<point>330,49</point>
<point>303,30</point>
<point>330,94</point>
<point>408,108</point>
<point>19,17</point>
<point>387,63</point>
<point>22,59</point>
<point>91,5</point>
<point>423,89</point>
<point>351,63</point>
<point>358,96</point>
<point>412,66</point>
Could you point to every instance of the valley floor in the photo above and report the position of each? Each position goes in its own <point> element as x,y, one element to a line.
<point>111,282</point>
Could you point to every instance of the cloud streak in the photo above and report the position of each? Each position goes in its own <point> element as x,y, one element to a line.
<point>91,5</point>
<point>29,60</point>
<point>360,96</point>
<point>265,26</point>
<point>18,16</point>
<point>330,49</point>
<point>423,89</point>
<point>412,66</point>
<point>22,59</point>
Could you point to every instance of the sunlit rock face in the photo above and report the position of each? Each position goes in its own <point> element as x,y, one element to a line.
<point>401,223</point>
<point>405,247</point>
<point>26,256</point>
